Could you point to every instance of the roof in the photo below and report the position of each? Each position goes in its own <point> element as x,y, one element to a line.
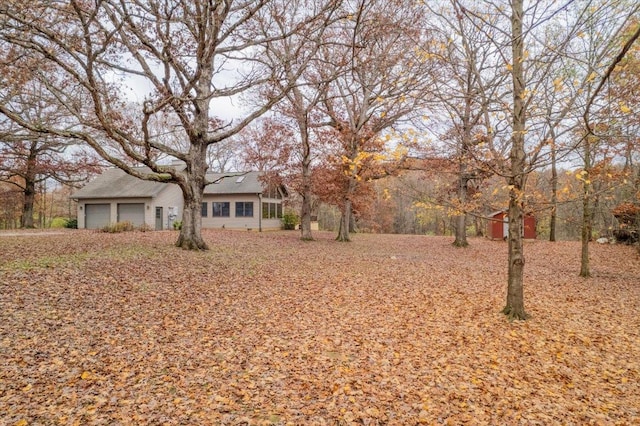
<point>115,183</point>
<point>497,213</point>
<point>234,183</point>
<point>506,212</point>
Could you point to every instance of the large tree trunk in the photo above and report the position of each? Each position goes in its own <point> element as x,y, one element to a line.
<point>192,186</point>
<point>345,223</point>
<point>190,237</point>
<point>514,308</point>
<point>347,212</point>
<point>26,220</point>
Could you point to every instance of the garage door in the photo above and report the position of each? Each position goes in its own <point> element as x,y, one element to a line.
<point>96,215</point>
<point>131,212</point>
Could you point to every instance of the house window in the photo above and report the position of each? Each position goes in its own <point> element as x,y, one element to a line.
<point>271,210</point>
<point>244,209</point>
<point>221,209</point>
<point>204,210</point>
<point>272,192</point>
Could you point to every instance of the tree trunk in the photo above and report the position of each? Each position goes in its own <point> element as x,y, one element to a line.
<point>190,237</point>
<point>637,188</point>
<point>26,220</point>
<point>461,220</point>
<point>554,195</point>
<point>305,212</point>
<point>192,186</point>
<point>347,212</point>
<point>585,235</point>
<point>477,224</point>
<point>586,210</point>
<point>345,222</point>
<point>514,308</point>
<point>461,231</point>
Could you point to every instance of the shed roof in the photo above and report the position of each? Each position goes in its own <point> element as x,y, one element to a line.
<point>115,183</point>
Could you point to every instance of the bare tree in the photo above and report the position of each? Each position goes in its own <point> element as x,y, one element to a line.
<point>29,159</point>
<point>528,44</point>
<point>185,55</point>
<point>591,137</point>
<point>468,85</point>
<point>382,79</point>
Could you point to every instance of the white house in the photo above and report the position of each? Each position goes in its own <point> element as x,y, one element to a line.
<point>233,201</point>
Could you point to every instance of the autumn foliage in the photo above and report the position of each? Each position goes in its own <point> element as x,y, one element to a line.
<point>266,329</point>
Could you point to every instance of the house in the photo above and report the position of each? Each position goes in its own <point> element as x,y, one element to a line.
<point>242,201</point>
<point>498,226</point>
<point>233,201</point>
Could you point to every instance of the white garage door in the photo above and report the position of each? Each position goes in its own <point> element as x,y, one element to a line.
<point>96,215</point>
<point>131,212</point>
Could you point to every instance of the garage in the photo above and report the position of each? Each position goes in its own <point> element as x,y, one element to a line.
<point>97,215</point>
<point>131,212</point>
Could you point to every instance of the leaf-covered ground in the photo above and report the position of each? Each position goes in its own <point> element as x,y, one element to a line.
<point>266,329</point>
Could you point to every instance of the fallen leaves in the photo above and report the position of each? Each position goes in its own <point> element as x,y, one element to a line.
<point>265,329</point>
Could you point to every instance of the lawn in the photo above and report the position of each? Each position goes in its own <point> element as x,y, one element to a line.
<point>266,329</point>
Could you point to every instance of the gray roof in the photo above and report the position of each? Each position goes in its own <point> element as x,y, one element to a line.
<point>234,183</point>
<point>115,183</point>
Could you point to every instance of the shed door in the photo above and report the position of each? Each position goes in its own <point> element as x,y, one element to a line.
<point>97,215</point>
<point>131,212</point>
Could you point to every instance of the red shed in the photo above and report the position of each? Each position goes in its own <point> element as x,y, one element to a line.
<point>498,229</point>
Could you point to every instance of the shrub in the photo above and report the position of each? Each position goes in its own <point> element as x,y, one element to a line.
<point>290,220</point>
<point>177,225</point>
<point>145,228</point>
<point>58,222</point>
<point>71,223</point>
<point>118,227</point>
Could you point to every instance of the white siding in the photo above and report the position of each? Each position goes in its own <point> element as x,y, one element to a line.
<point>171,196</point>
<point>233,222</point>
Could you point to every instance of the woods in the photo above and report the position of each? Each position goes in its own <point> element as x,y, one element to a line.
<point>454,109</point>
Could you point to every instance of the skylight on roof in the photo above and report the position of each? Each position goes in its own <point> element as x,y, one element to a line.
<point>240,178</point>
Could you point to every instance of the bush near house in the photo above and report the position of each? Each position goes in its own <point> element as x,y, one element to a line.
<point>290,220</point>
<point>118,227</point>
